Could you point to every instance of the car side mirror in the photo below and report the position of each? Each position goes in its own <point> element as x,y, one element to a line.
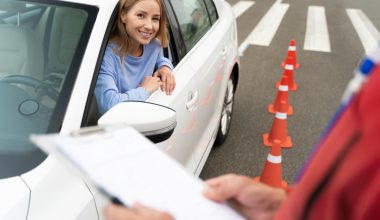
<point>156,122</point>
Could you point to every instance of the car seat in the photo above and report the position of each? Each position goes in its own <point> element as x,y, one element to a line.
<point>21,52</point>
<point>66,29</point>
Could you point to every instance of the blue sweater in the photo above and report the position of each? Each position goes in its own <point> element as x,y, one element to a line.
<point>119,82</point>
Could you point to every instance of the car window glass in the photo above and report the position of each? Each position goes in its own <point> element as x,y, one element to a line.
<point>37,47</point>
<point>213,14</point>
<point>193,20</point>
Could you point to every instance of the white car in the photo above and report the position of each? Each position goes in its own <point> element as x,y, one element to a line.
<point>50,54</point>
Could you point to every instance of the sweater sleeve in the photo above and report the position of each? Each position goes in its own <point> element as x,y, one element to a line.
<point>107,92</point>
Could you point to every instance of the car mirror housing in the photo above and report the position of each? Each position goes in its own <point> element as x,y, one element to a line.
<point>156,122</point>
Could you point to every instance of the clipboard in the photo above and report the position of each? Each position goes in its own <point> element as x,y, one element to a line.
<point>126,167</point>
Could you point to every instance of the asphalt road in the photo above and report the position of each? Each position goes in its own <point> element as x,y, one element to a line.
<point>321,79</point>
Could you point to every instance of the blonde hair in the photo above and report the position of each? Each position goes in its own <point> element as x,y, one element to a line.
<point>119,34</point>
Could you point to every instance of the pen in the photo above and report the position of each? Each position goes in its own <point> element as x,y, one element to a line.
<point>112,198</point>
<point>364,69</point>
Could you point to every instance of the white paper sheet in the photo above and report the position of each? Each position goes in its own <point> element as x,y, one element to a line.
<point>126,165</point>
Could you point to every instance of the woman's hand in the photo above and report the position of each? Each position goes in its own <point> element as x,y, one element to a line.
<point>136,212</point>
<point>151,83</point>
<point>255,200</point>
<point>167,79</point>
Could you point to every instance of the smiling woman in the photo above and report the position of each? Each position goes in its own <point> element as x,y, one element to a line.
<point>133,66</point>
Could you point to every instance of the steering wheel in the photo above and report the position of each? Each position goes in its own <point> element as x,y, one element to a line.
<point>40,87</point>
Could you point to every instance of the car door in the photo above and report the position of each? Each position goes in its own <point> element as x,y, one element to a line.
<point>184,100</point>
<point>208,58</point>
<point>199,77</point>
<point>214,58</point>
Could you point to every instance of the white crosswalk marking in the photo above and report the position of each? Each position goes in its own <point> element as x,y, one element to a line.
<point>367,32</point>
<point>317,34</point>
<point>242,6</point>
<point>267,27</point>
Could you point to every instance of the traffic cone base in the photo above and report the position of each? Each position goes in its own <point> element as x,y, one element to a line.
<point>284,184</point>
<point>273,111</point>
<point>287,144</point>
<point>296,66</point>
<point>291,87</point>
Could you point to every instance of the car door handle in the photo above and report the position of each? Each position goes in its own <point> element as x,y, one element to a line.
<point>191,102</point>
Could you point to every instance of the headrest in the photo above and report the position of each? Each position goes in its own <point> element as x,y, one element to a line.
<point>12,6</point>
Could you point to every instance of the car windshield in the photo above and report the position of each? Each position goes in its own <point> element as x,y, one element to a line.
<point>41,47</point>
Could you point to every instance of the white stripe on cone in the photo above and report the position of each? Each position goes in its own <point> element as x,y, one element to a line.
<point>289,67</point>
<point>274,159</point>
<point>280,115</point>
<point>292,48</point>
<point>283,88</point>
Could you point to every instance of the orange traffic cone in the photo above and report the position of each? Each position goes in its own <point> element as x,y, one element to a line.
<point>282,95</point>
<point>292,52</point>
<point>272,172</point>
<point>279,130</point>
<point>288,71</point>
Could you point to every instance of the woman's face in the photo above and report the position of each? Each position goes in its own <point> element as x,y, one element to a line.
<point>142,21</point>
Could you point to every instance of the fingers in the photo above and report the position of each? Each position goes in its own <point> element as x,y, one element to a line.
<point>136,212</point>
<point>116,212</point>
<point>151,84</point>
<point>158,83</point>
<point>226,187</point>
<point>161,79</point>
<point>158,80</point>
<point>151,214</point>
<point>168,83</point>
<point>164,83</point>
<point>167,78</point>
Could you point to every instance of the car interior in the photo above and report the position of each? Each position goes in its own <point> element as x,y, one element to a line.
<point>37,45</point>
